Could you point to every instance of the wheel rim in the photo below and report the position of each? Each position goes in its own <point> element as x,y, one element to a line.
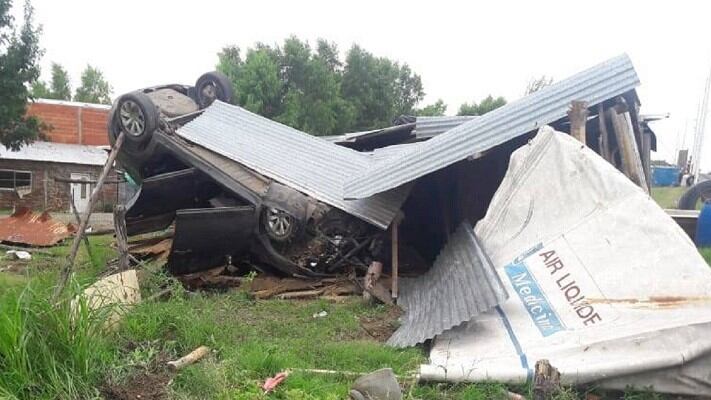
<point>132,119</point>
<point>209,93</point>
<point>279,222</point>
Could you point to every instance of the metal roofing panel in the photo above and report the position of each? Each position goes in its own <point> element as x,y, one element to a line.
<point>461,284</point>
<point>56,152</point>
<point>433,126</point>
<point>306,163</point>
<point>609,79</point>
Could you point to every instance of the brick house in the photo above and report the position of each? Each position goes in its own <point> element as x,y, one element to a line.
<point>48,175</point>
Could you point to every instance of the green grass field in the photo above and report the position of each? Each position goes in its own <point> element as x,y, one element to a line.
<point>667,197</point>
<point>45,354</point>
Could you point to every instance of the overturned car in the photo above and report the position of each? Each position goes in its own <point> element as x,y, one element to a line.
<point>224,211</point>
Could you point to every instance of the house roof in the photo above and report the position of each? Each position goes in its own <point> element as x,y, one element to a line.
<point>57,153</point>
<point>604,81</point>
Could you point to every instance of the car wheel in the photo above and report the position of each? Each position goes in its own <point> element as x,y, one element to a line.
<point>695,195</point>
<point>279,225</point>
<point>213,86</point>
<point>137,116</point>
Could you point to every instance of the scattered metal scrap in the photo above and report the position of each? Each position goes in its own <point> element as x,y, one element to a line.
<point>33,228</point>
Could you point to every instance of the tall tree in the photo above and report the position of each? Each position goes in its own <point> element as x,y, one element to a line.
<point>19,54</point>
<point>59,85</point>
<point>39,90</point>
<point>436,109</point>
<point>378,88</point>
<point>487,104</point>
<point>94,88</point>
<point>311,89</point>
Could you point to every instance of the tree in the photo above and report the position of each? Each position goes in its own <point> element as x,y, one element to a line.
<point>19,54</point>
<point>436,109</point>
<point>94,88</point>
<point>487,104</point>
<point>378,88</point>
<point>39,90</point>
<point>59,86</point>
<point>314,91</point>
<point>536,84</point>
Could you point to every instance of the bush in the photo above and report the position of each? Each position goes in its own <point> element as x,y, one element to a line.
<point>50,351</point>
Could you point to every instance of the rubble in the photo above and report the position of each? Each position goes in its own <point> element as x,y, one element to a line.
<point>33,228</point>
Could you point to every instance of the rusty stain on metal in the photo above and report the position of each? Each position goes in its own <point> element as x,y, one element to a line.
<point>655,301</point>
<point>33,228</point>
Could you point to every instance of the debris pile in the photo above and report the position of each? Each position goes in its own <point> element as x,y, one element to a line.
<point>28,227</point>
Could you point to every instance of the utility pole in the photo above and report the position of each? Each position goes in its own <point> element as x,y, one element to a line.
<point>699,132</point>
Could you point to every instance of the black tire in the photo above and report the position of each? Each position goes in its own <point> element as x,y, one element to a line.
<point>700,191</point>
<point>213,86</point>
<point>137,116</point>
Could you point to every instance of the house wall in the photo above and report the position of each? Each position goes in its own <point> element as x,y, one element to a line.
<point>73,123</point>
<point>49,194</point>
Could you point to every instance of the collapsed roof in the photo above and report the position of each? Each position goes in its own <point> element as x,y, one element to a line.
<point>595,85</point>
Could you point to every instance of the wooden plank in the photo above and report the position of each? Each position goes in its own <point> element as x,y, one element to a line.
<point>395,257</point>
<point>631,161</point>
<point>578,116</point>
<point>121,236</point>
<point>604,140</point>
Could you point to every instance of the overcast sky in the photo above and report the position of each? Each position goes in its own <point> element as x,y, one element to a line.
<point>463,51</point>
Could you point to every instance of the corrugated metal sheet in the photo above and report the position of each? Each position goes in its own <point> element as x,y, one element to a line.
<point>604,81</point>
<point>426,127</point>
<point>304,162</point>
<point>56,152</point>
<point>34,228</point>
<point>461,284</point>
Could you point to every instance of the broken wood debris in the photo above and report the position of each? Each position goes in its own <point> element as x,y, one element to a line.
<point>192,357</point>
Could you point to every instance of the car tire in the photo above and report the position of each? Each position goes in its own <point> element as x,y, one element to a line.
<point>137,116</point>
<point>213,86</point>
<point>279,225</point>
<point>701,190</point>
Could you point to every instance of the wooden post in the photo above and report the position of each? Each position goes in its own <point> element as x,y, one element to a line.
<point>121,236</point>
<point>78,218</point>
<point>395,258</point>
<point>631,161</point>
<point>69,266</point>
<point>546,380</point>
<point>578,116</point>
<point>604,140</point>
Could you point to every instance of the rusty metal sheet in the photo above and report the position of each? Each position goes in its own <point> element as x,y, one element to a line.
<point>33,228</point>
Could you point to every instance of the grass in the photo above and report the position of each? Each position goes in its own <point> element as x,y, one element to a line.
<point>667,197</point>
<point>46,354</point>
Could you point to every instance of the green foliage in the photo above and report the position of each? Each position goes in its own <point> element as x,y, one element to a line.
<point>314,91</point>
<point>436,109</point>
<point>58,89</point>
<point>60,83</point>
<point>39,90</point>
<point>487,104</point>
<point>50,351</point>
<point>94,88</point>
<point>19,54</point>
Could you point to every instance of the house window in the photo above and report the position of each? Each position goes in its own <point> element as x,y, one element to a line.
<point>10,179</point>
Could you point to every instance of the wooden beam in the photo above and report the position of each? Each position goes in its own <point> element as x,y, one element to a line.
<point>627,145</point>
<point>578,116</point>
<point>69,266</point>
<point>78,218</point>
<point>121,236</point>
<point>395,257</point>
<point>604,140</point>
